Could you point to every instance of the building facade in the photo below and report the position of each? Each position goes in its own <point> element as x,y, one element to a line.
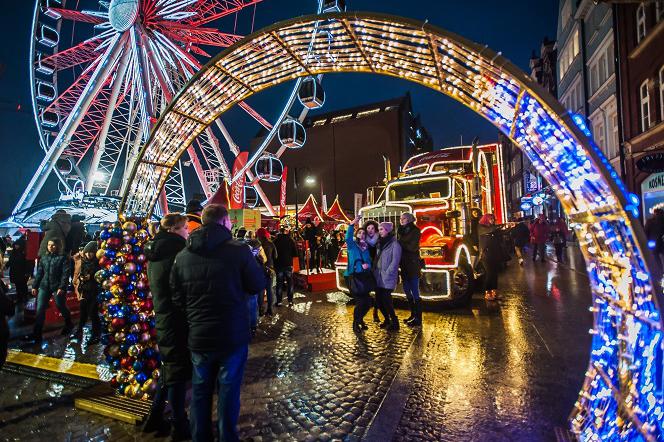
<point>640,37</point>
<point>345,149</point>
<point>587,70</point>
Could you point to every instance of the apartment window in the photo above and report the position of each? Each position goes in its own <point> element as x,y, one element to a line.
<point>599,132</point>
<point>645,106</point>
<point>569,53</point>
<point>659,10</point>
<point>566,13</point>
<point>615,141</point>
<point>661,94</point>
<point>640,22</point>
<point>602,65</point>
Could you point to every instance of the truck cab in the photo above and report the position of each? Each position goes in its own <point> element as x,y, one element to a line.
<point>447,191</point>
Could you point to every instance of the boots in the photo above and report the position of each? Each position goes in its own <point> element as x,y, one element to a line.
<point>417,314</point>
<point>411,305</point>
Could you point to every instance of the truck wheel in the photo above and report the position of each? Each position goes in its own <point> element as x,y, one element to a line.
<point>462,285</point>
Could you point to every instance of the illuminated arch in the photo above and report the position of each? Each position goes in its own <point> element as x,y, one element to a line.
<point>622,392</point>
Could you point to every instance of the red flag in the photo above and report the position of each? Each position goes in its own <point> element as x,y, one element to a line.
<point>237,188</point>
<point>282,196</point>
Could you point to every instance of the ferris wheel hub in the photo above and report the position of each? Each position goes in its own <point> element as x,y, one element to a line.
<point>123,14</point>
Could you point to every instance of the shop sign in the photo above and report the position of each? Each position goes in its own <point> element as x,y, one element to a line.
<point>652,163</point>
<point>531,182</point>
<point>653,183</point>
<point>526,206</point>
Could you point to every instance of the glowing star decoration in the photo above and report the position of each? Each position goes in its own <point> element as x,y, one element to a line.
<point>622,395</point>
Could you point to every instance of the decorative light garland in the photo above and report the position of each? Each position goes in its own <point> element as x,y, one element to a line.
<point>623,394</point>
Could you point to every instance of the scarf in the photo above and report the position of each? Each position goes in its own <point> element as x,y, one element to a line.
<point>383,241</point>
<point>372,241</point>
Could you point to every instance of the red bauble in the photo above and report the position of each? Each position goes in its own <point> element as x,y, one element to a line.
<point>153,332</point>
<point>120,279</point>
<point>127,362</point>
<point>114,242</point>
<point>117,323</point>
<point>145,326</point>
<point>105,261</point>
<point>146,305</point>
<point>131,298</point>
<point>151,364</point>
<point>114,383</point>
<point>129,257</point>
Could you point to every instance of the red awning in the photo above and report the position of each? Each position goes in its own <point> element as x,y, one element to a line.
<point>337,213</point>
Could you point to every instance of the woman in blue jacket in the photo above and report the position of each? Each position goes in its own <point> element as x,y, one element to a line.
<point>359,262</point>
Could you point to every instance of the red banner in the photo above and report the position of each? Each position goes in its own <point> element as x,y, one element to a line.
<point>237,188</point>
<point>282,196</point>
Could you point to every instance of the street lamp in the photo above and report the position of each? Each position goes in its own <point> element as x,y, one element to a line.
<point>309,180</point>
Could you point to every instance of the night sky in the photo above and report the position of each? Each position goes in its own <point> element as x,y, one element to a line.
<point>516,28</point>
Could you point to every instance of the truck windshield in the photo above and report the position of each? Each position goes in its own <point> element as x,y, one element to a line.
<point>417,190</point>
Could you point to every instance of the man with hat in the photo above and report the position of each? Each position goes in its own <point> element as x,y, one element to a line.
<point>193,212</point>
<point>87,288</point>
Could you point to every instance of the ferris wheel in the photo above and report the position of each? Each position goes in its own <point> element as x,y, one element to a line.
<point>96,99</point>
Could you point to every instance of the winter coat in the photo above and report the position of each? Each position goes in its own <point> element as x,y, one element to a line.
<point>286,251</point>
<point>409,240</point>
<point>19,267</point>
<point>491,252</point>
<point>211,280</point>
<point>520,234</point>
<point>57,228</point>
<point>539,232</point>
<point>386,265</point>
<point>271,254</point>
<point>75,237</point>
<point>84,276</point>
<point>170,321</point>
<point>52,273</point>
<point>356,256</point>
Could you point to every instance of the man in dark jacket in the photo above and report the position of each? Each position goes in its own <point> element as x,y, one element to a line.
<point>194,209</point>
<point>58,227</point>
<point>20,270</point>
<point>409,239</point>
<point>52,277</point>
<point>171,326</point>
<point>286,251</point>
<point>6,309</point>
<point>211,280</point>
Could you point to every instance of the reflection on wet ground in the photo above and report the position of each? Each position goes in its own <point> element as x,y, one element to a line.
<point>509,370</point>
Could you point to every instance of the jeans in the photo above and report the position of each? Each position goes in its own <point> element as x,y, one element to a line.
<point>285,281</point>
<point>90,310</point>
<point>412,288</point>
<point>541,249</point>
<point>43,298</point>
<point>559,251</point>
<point>225,370</point>
<point>362,306</point>
<point>269,291</point>
<point>176,394</point>
<point>384,301</point>
<point>252,306</point>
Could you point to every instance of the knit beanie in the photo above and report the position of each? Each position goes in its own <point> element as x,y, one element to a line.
<point>90,247</point>
<point>387,226</point>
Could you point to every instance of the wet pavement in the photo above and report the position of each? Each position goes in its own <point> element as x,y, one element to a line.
<point>507,370</point>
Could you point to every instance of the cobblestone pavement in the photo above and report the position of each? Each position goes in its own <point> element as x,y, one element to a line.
<point>498,371</point>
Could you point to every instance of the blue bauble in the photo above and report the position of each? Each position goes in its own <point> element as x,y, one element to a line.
<point>139,268</point>
<point>106,274</point>
<point>115,363</point>
<point>138,366</point>
<point>133,277</point>
<point>116,232</point>
<point>116,269</point>
<point>130,288</point>
<point>110,253</point>
<point>133,240</point>
<point>131,339</point>
<point>152,322</point>
<point>141,294</point>
<point>108,294</point>
<point>101,298</point>
<point>141,377</point>
<point>124,347</point>
<point>104,235</point>
<point>133,318</point>
<point>105,338</point>
<point>149,353</point>
<point>137,250</point>
<point>113,310</point>
<point>126,310</point>
<point>109,359</point>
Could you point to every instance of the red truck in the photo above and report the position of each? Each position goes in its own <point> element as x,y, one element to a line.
<point>447,190</point>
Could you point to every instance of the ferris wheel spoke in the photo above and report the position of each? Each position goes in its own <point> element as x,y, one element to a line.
<point>201,36</point>
<point>78,16</point>
<point>63,105</point>
<point>208,11</point>
<point>74,56</point>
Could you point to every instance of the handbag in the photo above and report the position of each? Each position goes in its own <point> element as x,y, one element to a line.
<point>362,282</point>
